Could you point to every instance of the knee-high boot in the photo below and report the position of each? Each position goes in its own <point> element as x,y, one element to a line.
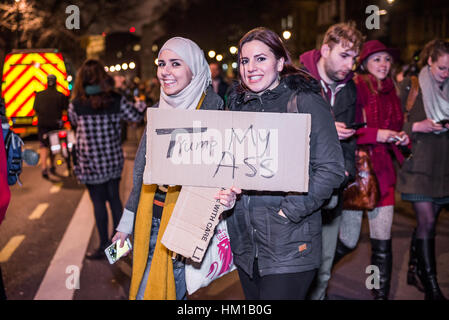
<point>340,251</point>
<point>382,257</point>
<point>412,273</point>
<point>425,250</point>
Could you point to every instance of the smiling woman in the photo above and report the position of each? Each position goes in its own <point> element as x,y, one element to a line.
<point>185,81</point>
<point>379,106</point>
<point>276,236</point>
<point>172,72</point>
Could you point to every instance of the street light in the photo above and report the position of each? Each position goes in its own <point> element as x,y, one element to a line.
<point>112,68</point>
<point>124,66</point>
<point>233,50</point>
<point>117,67</point>
<point>156,61</point>
<point>286,34</point>
<point>132,65</point>
<point>211,54</point>
<point>219,57</point>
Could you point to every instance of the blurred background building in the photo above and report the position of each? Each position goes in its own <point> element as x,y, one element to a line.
<point>123,32</point>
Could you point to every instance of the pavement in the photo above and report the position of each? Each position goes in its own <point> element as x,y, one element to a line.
<point>45,237</point>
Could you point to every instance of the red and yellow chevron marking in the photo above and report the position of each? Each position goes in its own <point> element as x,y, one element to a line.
<point>26,73</point>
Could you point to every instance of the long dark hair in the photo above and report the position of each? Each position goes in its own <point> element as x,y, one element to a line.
<point>92,73</point>
<point>274,42</point>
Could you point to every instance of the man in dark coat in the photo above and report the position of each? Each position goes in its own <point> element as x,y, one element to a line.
<point>48,105</point>
<point>332,67</point>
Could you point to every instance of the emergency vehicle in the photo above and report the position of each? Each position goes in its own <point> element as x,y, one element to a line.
<point>25,73</point>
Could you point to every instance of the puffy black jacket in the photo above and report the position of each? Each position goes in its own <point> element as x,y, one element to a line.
<point>292,244</point>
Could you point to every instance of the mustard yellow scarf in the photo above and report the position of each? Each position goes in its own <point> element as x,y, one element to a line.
<point>161,281</point>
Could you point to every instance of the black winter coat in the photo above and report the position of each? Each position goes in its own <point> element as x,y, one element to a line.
<point>49,105</point>
<point>292,244</point>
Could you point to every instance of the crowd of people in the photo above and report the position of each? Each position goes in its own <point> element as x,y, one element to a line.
<point>284,245</point>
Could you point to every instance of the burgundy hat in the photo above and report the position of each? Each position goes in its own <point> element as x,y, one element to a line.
<point>374,46</point>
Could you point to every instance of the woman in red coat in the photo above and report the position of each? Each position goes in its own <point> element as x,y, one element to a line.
<point>379,106</point>
<point>4,198</point>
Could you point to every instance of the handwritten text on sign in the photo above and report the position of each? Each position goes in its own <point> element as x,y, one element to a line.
<point>256,151</point>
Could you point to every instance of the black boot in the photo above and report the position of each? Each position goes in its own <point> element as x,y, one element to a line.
<point>412,275</point>
<point>340,251</point>
<point>382,257</point>
<point>425,250</point>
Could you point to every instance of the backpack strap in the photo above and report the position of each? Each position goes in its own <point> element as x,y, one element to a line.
<point>412,95</point>
<point>292,105</point>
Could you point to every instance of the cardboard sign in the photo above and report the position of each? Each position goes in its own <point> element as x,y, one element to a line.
<point>250,150</point>
<point>193,222</point>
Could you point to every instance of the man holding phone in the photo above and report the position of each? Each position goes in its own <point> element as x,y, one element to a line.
<point>332,67</point>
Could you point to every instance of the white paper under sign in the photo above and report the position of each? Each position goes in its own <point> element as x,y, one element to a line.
<point>193,222</point>
<point>250,150</point>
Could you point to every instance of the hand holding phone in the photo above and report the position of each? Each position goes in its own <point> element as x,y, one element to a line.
<point>396,139</point>
<point>443,122</point>
<point>115,251</point>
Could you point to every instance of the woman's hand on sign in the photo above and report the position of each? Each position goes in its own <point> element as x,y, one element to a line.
<point>227,197</point>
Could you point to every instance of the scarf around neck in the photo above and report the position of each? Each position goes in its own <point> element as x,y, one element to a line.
<point>436,100</point>
<point>380,103</point>
<point>193,56</point>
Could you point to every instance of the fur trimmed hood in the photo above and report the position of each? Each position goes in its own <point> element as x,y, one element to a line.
<point>300,82</point>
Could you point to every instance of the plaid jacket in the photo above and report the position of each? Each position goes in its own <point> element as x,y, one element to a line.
<point>98,150</point>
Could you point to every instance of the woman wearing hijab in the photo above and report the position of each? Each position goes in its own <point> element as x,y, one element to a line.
<point>424,178</point>
<point>379,106</point>
<point>185,79</point>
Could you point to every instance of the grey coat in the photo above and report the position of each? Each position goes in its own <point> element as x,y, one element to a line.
<point>427,171</point>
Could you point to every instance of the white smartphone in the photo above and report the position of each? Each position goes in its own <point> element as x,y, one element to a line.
<point>114,252</point>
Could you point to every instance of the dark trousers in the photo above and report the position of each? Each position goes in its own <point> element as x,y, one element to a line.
<point>99,194</point>
<point>288,286</point>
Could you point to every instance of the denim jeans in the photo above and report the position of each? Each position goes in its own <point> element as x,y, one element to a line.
<point>178,267</point>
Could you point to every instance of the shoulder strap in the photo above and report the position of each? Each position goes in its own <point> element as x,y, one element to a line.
<point>292,105</point>
<point>413,93</point>
<point>200,103</point>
